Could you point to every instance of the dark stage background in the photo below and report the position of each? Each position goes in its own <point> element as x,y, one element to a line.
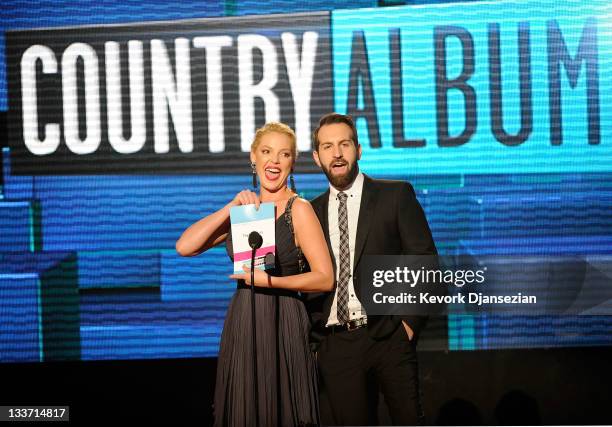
<point>497,387</point>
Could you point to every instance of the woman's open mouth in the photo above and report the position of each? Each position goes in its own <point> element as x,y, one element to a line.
<point>272,173</point>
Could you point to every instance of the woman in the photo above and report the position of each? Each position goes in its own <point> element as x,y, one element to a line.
<point>287,382</point>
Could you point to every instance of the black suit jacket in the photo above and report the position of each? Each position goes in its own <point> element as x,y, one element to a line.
<point>391,222</point>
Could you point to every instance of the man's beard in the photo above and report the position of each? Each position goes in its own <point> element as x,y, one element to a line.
<point>342,181</point>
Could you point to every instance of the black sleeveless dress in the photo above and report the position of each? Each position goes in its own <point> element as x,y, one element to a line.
<point>286,367</point>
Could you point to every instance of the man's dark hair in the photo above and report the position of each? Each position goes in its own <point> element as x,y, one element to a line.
<point>330,119</point>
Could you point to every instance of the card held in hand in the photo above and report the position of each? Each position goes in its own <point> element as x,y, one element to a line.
<point>246,219</point>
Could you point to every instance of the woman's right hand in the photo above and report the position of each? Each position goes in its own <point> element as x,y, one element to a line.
<point>246,197</point>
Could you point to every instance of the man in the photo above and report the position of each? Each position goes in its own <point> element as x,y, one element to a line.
<point>360,354</point>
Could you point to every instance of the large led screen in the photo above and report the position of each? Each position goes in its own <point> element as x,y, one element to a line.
<point>121,135</point>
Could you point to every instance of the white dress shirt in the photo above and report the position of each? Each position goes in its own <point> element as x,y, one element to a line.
<point>353,202</point>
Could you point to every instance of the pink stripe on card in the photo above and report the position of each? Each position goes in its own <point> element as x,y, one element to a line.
<point>246,255</point>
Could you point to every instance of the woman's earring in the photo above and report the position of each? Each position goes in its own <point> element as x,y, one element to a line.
<point>292,183</point>
<point>254,175</point>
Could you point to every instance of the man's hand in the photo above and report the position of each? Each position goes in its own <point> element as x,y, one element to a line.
<point>409,330</point>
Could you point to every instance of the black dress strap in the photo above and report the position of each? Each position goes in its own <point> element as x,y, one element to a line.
<point>289,221</point>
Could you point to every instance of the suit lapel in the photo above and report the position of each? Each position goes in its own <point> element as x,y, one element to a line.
<point>368,201</point>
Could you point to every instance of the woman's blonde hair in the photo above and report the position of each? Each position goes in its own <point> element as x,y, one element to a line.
<point>278,128</point>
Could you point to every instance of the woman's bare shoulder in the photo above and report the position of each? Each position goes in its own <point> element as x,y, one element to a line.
<point>302,210</point>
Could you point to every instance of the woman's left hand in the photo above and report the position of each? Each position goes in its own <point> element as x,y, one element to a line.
<point>262,278</point>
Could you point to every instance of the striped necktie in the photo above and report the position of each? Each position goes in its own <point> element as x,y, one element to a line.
<point>345,260</point>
